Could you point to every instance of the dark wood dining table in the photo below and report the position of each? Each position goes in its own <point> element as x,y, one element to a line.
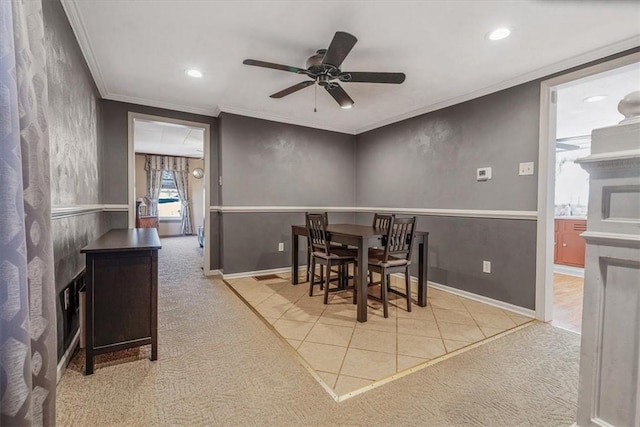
<point>363,237</point>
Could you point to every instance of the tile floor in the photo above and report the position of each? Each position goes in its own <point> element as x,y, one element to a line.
<point>349,356</point>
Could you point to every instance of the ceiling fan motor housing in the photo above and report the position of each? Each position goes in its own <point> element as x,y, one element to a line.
<point>321,71</point>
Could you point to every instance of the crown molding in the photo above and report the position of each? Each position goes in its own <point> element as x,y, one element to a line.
<point>79,29</point>
<point>77,24</point>
<point>575,61</point>
<point>288,120</point>
<point>211,112</point>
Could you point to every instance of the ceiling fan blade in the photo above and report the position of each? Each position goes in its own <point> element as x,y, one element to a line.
<point>294,88</point>
<point>339,48</point>
<point>341,97</point>
<point>365,77</point>
<point>273,66</point>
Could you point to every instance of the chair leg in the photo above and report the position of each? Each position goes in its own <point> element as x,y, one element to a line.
<point>384,294</point>
<point>309,271</point>
<point>326,285</point>
<point>355,282</point>
<point>312,279</point>
<point>407,280</point>
<point>321,276</point>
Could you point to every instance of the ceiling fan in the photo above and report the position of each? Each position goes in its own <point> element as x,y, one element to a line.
<point>324,69</point>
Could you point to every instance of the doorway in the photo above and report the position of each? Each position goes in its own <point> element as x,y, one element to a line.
<point>572,106</point>
<point>179,151</point>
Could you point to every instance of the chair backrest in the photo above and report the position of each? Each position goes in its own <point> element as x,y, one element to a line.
<point>382,220</point>
<point>400,238</point>
<point>317,232</point>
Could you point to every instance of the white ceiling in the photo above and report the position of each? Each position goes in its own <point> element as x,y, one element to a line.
<point>138,51</point>
<point>169,139</point>
<point>575,117</point>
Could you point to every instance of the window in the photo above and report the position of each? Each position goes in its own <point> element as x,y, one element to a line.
<point>169,204</point>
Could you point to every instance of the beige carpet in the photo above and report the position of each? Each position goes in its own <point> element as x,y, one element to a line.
<point>219,364</point>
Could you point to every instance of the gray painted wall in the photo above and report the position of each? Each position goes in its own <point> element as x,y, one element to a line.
<point>274,164</point>
<point>430,161</point>
<point>250,240</point>
<point>266,163</point>
<point>75,148</point>
<point>457,247</point>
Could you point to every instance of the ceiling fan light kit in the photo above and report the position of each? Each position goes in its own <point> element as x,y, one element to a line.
<point>324,70</point>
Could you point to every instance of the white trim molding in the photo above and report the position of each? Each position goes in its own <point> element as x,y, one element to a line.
<point>79,29</point>
<point>116,208</point>
<point>480,298</point>
<point>66,357</point>
<point>261,272</point>
<point>58,212</point>
<point>288,120</point>
<point>464,213</point>
<point>611,238</point>
<point>212,111</point>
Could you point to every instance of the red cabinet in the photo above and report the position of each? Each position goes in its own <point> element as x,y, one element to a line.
<point>569,247</point>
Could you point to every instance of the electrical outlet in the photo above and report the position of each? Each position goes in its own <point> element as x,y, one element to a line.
<point>281,247</point>
<point>66,298</point>
<point>526,168</point>
<point>486,266</point>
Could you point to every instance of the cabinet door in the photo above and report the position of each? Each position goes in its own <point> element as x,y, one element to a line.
<point>571,249</point>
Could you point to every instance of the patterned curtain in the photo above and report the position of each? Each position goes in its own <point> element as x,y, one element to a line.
<point>182,185</point>
<point>154,165</point>
<point>27,289</point>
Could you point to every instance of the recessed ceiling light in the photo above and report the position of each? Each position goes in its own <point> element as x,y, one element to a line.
<point>346,106</point>
<point>194,73</point>
<point>595,98</point>
<point>499,34</point>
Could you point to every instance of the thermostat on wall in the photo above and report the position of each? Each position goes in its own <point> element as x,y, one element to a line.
<point>483,174</point>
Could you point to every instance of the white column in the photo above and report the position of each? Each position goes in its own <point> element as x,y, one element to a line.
<point>609,389</point>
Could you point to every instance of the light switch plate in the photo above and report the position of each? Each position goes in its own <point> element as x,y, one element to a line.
<point>486,266</point>
<point>526,168</point>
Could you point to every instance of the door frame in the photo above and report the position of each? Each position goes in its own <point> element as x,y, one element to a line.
<point>547,174</point>
<point>131,168</point>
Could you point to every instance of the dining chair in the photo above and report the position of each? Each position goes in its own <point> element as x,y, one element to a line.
<point>396,258</point>
<point>325,254</point>
<point>310,250</point>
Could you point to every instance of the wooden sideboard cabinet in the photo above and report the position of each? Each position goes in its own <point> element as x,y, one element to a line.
<point>569,246</point>
<point>122,292</point>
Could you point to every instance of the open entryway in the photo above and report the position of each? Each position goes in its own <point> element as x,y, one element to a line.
<point>572,106</point>
<point>168,163</point>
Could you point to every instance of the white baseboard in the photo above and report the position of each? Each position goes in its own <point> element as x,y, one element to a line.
<point>213,273</point>
<point>479,298</point>
<point>66,357</point>
<point>261,272</point>
<point>568,270</point>
<point>475,297</point>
